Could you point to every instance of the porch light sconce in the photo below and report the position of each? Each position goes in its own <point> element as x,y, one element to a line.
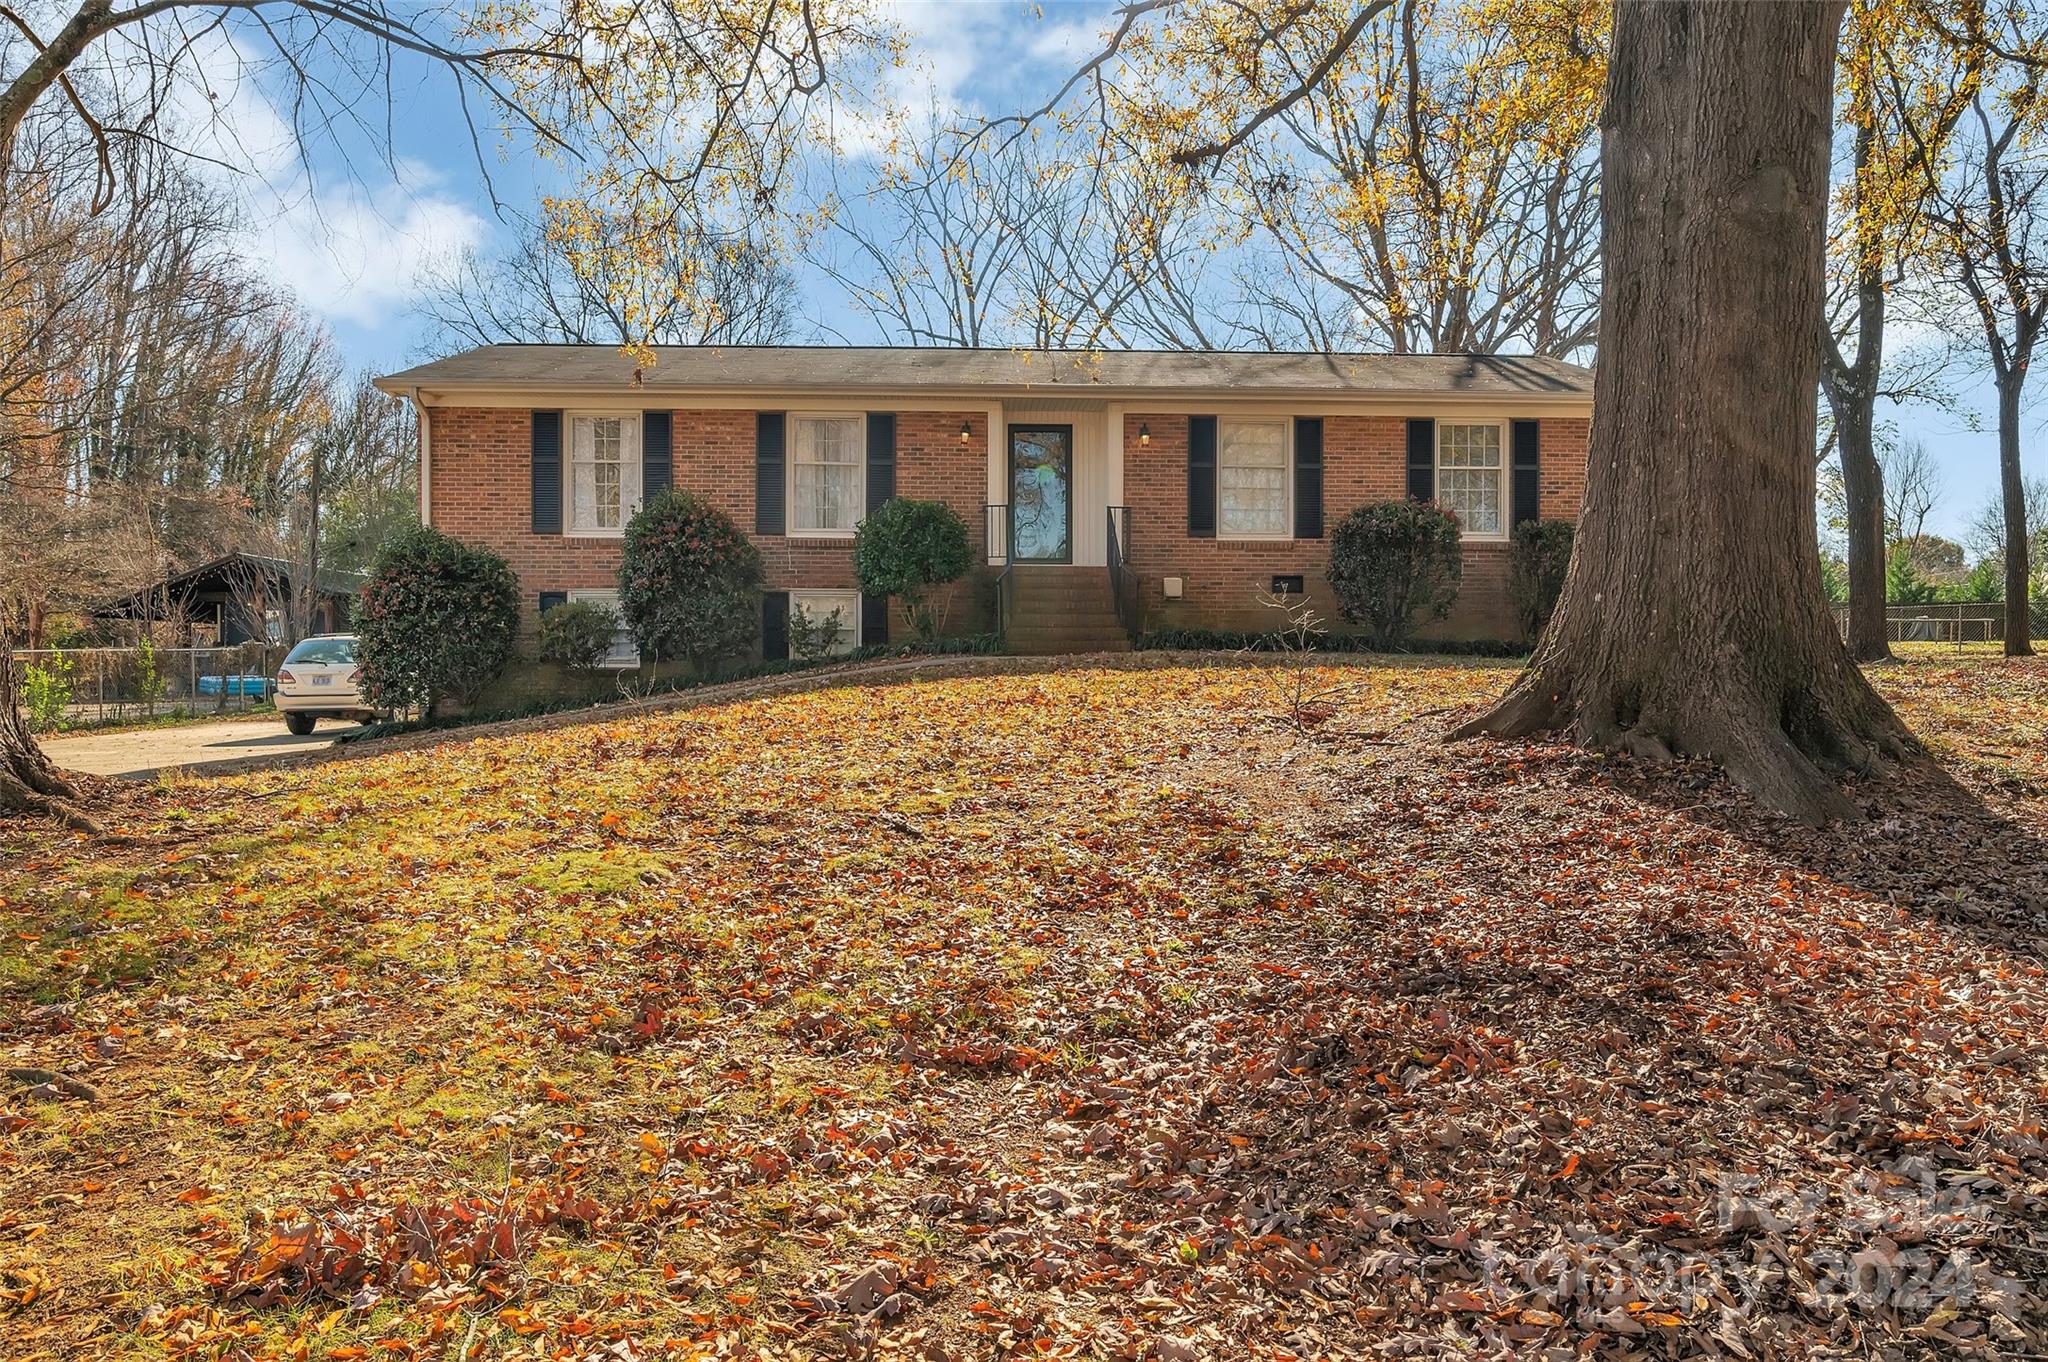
<point>1173,587</point>
<point>1144,435</point>
<point>966,432</point>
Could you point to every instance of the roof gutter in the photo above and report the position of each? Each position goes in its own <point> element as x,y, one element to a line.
<point>981,396</point>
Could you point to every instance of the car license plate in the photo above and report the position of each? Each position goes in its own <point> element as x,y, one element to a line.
<point>323,680</point>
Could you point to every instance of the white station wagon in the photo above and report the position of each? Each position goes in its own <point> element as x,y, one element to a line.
<point>320,679</point>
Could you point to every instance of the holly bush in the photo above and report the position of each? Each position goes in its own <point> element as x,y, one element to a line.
<point>690,583</point>
<point>437,620</point>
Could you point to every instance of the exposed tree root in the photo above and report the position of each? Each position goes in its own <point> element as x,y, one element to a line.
<point>1529,707</point>
<point>1763,760</point>
<point>29,781</point>
<point>17,797</point>
<point>1791,762</point>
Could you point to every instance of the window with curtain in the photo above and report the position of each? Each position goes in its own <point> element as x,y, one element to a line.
<point>1251,479</point>
<point>604,473</point>
<point>828,486</point>
<point>1471,476</point>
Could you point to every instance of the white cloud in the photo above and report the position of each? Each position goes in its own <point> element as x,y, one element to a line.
<point>968,59</point>
<point>347,240</point>
<point>1066,43</point>
<point>353,253</point>
<point>947,42</point>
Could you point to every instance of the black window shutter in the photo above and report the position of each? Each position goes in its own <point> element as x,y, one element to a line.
<point>874,620</point>
<point>1201,477</point>
<point>769,475</point>
<point>550,599</point>
<point>1422,458</point>
<point>881,457</point>
<point>1308,477</point>
<point>774,626</point>
<point>657,454</point>
<point>547,472</point>
<point>1526,497</point>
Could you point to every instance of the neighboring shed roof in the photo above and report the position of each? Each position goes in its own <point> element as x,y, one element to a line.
<point>740,368</point>
<point>231,573</point>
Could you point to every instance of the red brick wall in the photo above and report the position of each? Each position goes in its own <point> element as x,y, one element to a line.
<point>481,494</point>
<point>1364,460</point>
<point>1564,466</point>
<point>481,480</point>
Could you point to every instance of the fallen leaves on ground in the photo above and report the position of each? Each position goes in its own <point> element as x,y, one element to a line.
<point>1091,1013</point>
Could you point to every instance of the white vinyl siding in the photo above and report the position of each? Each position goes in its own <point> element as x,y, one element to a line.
<point>818,605</point>
<point>1472,476</point>
<point>625,649</point>
<point>1253,498</point>
<point>828,474</point>
<point>603,473</point>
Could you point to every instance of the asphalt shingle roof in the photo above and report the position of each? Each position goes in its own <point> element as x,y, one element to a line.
<point>996,371</point>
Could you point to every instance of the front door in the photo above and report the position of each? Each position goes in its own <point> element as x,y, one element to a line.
<point>1042,494</point>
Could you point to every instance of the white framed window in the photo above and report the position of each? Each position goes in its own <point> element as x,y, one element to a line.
<point>821,606</point>
<point>827,474</point>
<point>1254,492</point>
<point>625,648</point>
<point>603,473</point>
<point>1472,476</point>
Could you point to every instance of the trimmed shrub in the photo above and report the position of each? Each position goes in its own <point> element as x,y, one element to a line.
<point>1394,563</point>
<point>437,620</point>
<point>1537,558</point>
<point>690,582</point>
<point>908,549</point>
<point>577,635</point>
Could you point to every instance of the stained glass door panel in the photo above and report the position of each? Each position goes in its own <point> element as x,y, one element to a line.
<point>1041,493</point>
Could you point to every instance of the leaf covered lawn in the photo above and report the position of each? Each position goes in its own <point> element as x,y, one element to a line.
<point>1088,1013</point>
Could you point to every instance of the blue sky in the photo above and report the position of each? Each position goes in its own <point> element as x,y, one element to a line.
<point>351,245</point>
<point>352,240</point>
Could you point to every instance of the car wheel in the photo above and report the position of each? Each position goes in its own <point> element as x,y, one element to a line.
<point>301,724</point>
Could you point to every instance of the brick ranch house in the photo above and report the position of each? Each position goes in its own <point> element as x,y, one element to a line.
<point>1106,492</point>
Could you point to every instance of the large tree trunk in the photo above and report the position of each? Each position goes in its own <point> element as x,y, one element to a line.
<point>29,781</point>
<point>2013,494</point>
<point>1692,618</point>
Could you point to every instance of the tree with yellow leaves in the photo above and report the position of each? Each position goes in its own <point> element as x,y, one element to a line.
<point>1443,179</point>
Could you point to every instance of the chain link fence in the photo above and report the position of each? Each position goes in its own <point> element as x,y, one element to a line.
<point>1956,623</point>
<point>90,687</point>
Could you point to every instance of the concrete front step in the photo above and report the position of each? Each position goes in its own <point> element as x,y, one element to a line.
<point>1057,610</point>
<point>1095,592</point>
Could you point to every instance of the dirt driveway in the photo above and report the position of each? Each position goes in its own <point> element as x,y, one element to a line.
<point>142,752</point>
